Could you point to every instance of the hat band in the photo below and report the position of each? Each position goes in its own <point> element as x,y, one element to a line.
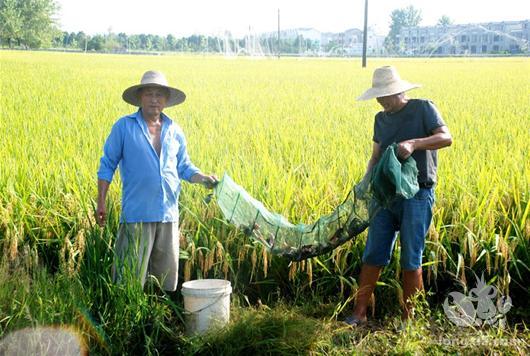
<point>386,84</point>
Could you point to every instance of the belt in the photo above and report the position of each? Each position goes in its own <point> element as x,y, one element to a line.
<point>426,185</point>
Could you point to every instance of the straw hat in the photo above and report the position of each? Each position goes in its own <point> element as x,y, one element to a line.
<point>386,81</point>
<point>153,79</point>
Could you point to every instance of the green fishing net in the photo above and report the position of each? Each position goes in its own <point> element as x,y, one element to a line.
<point>393,178</point>
<point>390,179</point>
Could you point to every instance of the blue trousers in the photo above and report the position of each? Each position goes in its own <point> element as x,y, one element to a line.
<point>411,218</point>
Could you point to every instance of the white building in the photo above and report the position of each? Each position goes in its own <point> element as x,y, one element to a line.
<point>509,37</point>
<point>347,43</point>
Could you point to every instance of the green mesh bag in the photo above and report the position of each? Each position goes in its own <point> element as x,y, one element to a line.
<point>393,179</point>
<point>349,219</point>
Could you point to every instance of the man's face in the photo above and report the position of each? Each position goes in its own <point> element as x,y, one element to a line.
<point>390,103</point>
<point>153,100</point>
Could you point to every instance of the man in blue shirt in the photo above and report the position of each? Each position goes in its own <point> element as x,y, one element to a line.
<point>151,152</point>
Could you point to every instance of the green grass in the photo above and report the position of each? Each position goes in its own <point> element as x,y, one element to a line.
<point>130,321</point>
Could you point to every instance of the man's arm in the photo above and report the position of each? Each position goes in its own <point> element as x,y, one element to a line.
<point>101,210</point>
<point>185,168</point>
<point>376,155</point>
<point>440,138</point>
<point>112,154</point>
<point>188,171</point>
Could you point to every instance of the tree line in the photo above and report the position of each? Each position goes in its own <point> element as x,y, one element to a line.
<point>123,42</point>
<point>31,24</point>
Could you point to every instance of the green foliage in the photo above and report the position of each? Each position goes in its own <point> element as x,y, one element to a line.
<point>11,21</point>
<point>444,21</point>
<point>288,329</point>
<point>128,320</point>
<point>263,331</point>
<point>96,43</point>
<point>27,23</point>
<point>406,17</point>
<point>122,42</point>
<point>110,318</point>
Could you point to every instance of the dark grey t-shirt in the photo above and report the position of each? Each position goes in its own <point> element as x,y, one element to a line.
<point>416,120</point>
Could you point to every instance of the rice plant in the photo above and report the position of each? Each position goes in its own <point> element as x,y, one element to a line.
<point>287,130</point>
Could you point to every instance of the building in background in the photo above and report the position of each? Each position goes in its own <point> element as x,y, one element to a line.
<point>346,43</point>
<point>507,37</point>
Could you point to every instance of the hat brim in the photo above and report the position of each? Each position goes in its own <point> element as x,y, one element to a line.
<point>394,88</point>
<point>130,95</point>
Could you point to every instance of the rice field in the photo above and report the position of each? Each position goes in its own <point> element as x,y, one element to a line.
<point>291,133</point>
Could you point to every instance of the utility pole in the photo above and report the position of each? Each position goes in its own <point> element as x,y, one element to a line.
<point>278,33</point>
<point>365,33</point>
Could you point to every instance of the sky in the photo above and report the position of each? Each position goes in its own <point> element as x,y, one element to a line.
<point>241,17</point>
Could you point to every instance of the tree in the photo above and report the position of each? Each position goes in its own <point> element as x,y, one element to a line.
<point>181,44</point>
<point>96,43</point>
<point>145,42</point>
<point>60,39</point>
<point>194,41</point>
<point>158,43</point>
<point>170,42</point>
<point>82,40</point>
<point>111,43</point>
<point>69,40</point>
<point>134,42</point>
<point>406,17</point>
<point>39,26</point>
<point>28,22</point>
<point>444,21</point>
<point>123,40</point>
<point>11,21</point>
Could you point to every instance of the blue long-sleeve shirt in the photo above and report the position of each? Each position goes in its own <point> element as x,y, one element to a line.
<point>151,184</point>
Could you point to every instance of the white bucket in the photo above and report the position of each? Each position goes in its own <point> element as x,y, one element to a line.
<point>206,304</point>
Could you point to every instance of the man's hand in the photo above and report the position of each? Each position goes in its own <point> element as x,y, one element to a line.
<point>440,138</point>
<point>208,181</point>
<point>101,213</point>
<point>101,210</point>
<point>405,149</point>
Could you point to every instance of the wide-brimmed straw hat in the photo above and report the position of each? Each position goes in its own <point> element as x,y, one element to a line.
<point>153,79</point>
<point>386,81</point>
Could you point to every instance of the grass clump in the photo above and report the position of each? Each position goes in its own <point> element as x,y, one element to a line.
<point>282,330</point>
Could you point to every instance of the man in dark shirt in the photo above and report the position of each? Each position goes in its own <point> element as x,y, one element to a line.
<point>419,130</point>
